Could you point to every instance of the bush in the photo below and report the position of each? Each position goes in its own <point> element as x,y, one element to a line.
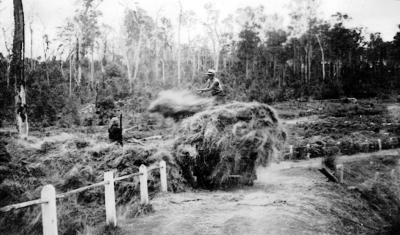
<point>105,110</point>
<point>113,70</point>
<point>351,109</point>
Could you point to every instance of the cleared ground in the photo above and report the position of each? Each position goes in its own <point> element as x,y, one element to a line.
<point>287,198</point>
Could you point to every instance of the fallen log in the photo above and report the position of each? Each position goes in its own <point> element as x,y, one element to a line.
<point>135,141</point>
<point>156,137</point>
<point>329,175</point>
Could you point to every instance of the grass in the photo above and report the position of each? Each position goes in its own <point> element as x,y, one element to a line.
<point>352,109</point>
<point>69,161</point>
<point>357,129</point>
<point>380,193</point>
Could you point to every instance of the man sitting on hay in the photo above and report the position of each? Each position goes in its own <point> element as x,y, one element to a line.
<point>214,85</point>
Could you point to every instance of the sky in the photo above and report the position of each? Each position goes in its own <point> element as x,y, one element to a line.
<point>376,15</point>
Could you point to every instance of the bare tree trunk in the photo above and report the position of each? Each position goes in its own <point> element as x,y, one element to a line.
<point>294,59</point>
<point>103,69</point>
<point>47,74</point>
<point>137,57</point>
<point>113,52</point>
<point>45,50</point>
<point>198,61</point>
<point>8,72</point>
<point>217,57</point>
<point>78,60</point>
<point>284,74</point>
<point>163,70</point>
<point>79,72</point>
<point>193,64</point>
<point>179,42</point>
<point>31,49</point>
<point>104,58</point>
<point>305,65</point>
<point>310,51</point>
<point>274,69</point>
<point>156,61</point>
<point>92,67</point>
<point>302,70</point>
<point>17,69</point>
<point>322,57</point>
<point>70,75</point>
<point>61,68</point>
<point>247,69</point>
<point>128,68</point>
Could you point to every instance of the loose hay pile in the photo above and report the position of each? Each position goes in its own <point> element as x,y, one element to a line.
<point>226,142</point>
<point>179,104</point>
<point>69,162</point>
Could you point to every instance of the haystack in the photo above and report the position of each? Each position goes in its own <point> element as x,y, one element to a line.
<point>227,143</point>
<point>179,104</point>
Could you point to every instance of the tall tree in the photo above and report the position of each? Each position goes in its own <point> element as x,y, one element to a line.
<point>165,36</point>
<point>68,35</point>
<point>17,69</point>
<point>86,20</point>
<point>395,48</point>
<point>303,18</point>
<point>250,20</point>
<point>138,26</point>
<point>179,41</point>
<point>212,26</point>
<point>46,47</point>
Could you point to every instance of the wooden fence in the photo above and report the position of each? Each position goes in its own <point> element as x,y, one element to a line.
<point>308,148</point>
<point>48,197</point>
<point>340,173</point>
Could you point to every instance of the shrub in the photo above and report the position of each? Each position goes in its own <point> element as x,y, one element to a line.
<point>105,110</point>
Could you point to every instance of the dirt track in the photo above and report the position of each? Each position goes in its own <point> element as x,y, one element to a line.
<point>287,198</point>
<point>277,204</point>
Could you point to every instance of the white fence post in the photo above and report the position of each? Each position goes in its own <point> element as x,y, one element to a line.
<point>109,193</point>
<point>291,151</point>
<point>340,168</point>
<point>49,210</point>
<point>163,176</point>
<point>379,144</point>
<point>144,195</point>
<point>308,152</point>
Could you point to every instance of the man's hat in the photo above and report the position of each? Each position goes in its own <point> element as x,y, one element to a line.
<point>211,72</point>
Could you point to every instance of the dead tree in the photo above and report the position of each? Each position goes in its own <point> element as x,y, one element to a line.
<point>17,69</point>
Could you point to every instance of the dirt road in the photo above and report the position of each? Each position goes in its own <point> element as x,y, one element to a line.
<point>300,120</point>
<point>277,204</point>
<point>287,198</point>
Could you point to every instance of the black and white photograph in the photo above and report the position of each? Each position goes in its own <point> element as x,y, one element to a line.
<point>199,117</point>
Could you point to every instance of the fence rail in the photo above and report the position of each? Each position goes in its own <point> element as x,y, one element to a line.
<point>78,190</point>
<point>21,205</point>
<point>290,152</point>
<point>49,196</point>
